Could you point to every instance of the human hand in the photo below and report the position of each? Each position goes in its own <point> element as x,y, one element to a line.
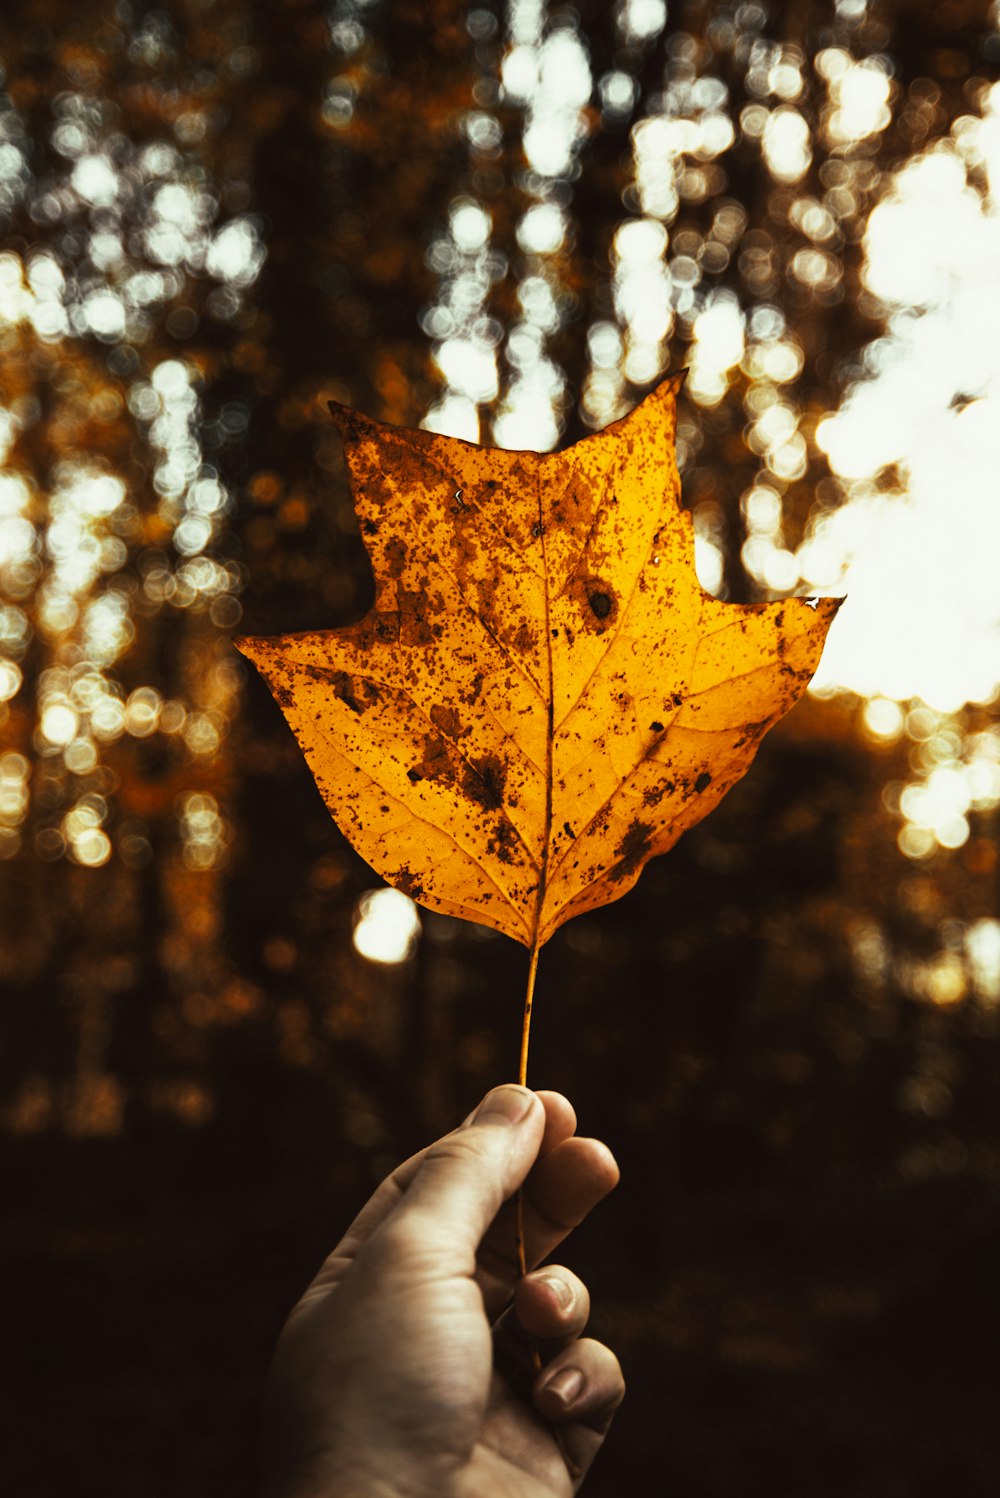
<point>384,1382</point>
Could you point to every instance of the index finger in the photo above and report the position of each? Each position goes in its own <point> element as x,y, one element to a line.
<point>464,1179</point>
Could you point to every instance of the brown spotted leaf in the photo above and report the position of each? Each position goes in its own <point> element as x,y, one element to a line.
<point>542,697</point>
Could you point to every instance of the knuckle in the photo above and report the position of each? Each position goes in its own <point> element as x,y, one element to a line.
<point>409,1237</point>
<point>458,1148</point>
<point>603,1361</point>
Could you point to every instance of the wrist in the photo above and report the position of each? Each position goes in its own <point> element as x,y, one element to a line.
<point>337,1479</point>
<point>334,1484</point>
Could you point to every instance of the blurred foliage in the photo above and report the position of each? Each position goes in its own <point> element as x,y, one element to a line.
<point>216,216</point>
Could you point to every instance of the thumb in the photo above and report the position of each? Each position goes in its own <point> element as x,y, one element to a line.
<point>464,1179</point>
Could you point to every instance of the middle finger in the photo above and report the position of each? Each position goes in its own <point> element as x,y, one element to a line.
<point>563,1187</point>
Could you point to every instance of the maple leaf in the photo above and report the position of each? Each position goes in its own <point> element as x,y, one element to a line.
<point>542,697</point>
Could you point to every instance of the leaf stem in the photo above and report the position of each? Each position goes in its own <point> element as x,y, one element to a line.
<point>522,1263</point>
<point>522,1074</point>
<point>522,1077</point>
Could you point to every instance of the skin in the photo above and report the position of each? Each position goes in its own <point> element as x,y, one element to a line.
<point>386,1382</point>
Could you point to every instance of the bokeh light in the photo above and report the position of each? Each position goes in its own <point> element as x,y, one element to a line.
<point>386,926</point>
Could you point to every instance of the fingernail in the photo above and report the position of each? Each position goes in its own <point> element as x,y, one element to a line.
<point>559,1288</point>
<point>507,1105</point>
<point>566,1385</point>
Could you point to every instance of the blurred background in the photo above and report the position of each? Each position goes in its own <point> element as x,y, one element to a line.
<point>504,222</point>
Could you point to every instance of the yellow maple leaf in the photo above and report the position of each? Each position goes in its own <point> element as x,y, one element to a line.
<point>542,697</point>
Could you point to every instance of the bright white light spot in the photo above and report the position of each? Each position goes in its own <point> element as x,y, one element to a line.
<point>96,181</point>
<point>923,619</point>
<point>786,144</point>
<point>526,426</point>
<point>709,563</point>
<point>58,724</point>
<point>167,243</point>
<point>860,95</point>
<point>542,229</point>
<point>640,239</point>
<point>641,19</point>
<point>453,416</point>
<point>929,234</point>
<point>387,926</point>
<point>982,945</point>
<point>207,496</point>
<point>656,145</point>
<point>92,848</point>
<point>106,250</point>
<point>604,344</point>
<point>177,205</point>
<point>170,379</point>
<point>50,321</point>
<point>884,719</point>
<point>643,361</point>
<point>565,77</point>
<point>555,123</point>
<point>470,225</point>
<point>718,346</point>
<point>762,509</point>
<point>236,254</point>
<point>45,276</point>
<point>618,92</point>
<point>17,539</point>
<point>107,627</point>
<point>105,315</point>
<point>781,361</point>
<point>192,535</point>
<point>538,303</point>
<point>780,571</point>
<point>520,72</point>
<point>773,427</point>
<point>785,78</point>
<point>468,367</point>
<point>84,817</point>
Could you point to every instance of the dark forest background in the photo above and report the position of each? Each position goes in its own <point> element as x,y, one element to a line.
<point>216,216</point>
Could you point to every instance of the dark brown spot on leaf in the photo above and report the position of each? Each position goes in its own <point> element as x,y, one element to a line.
<point>654,794</point>
<point>395,555</point>
<point>447,720</point>
<point>408,882</point>
<point>632,849</point>
<point>503,841</point>
<point>483,781</point>
<point>436,763</point>
<point>600,604</point>
<point>703,782</point>
<point>343,687</point>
